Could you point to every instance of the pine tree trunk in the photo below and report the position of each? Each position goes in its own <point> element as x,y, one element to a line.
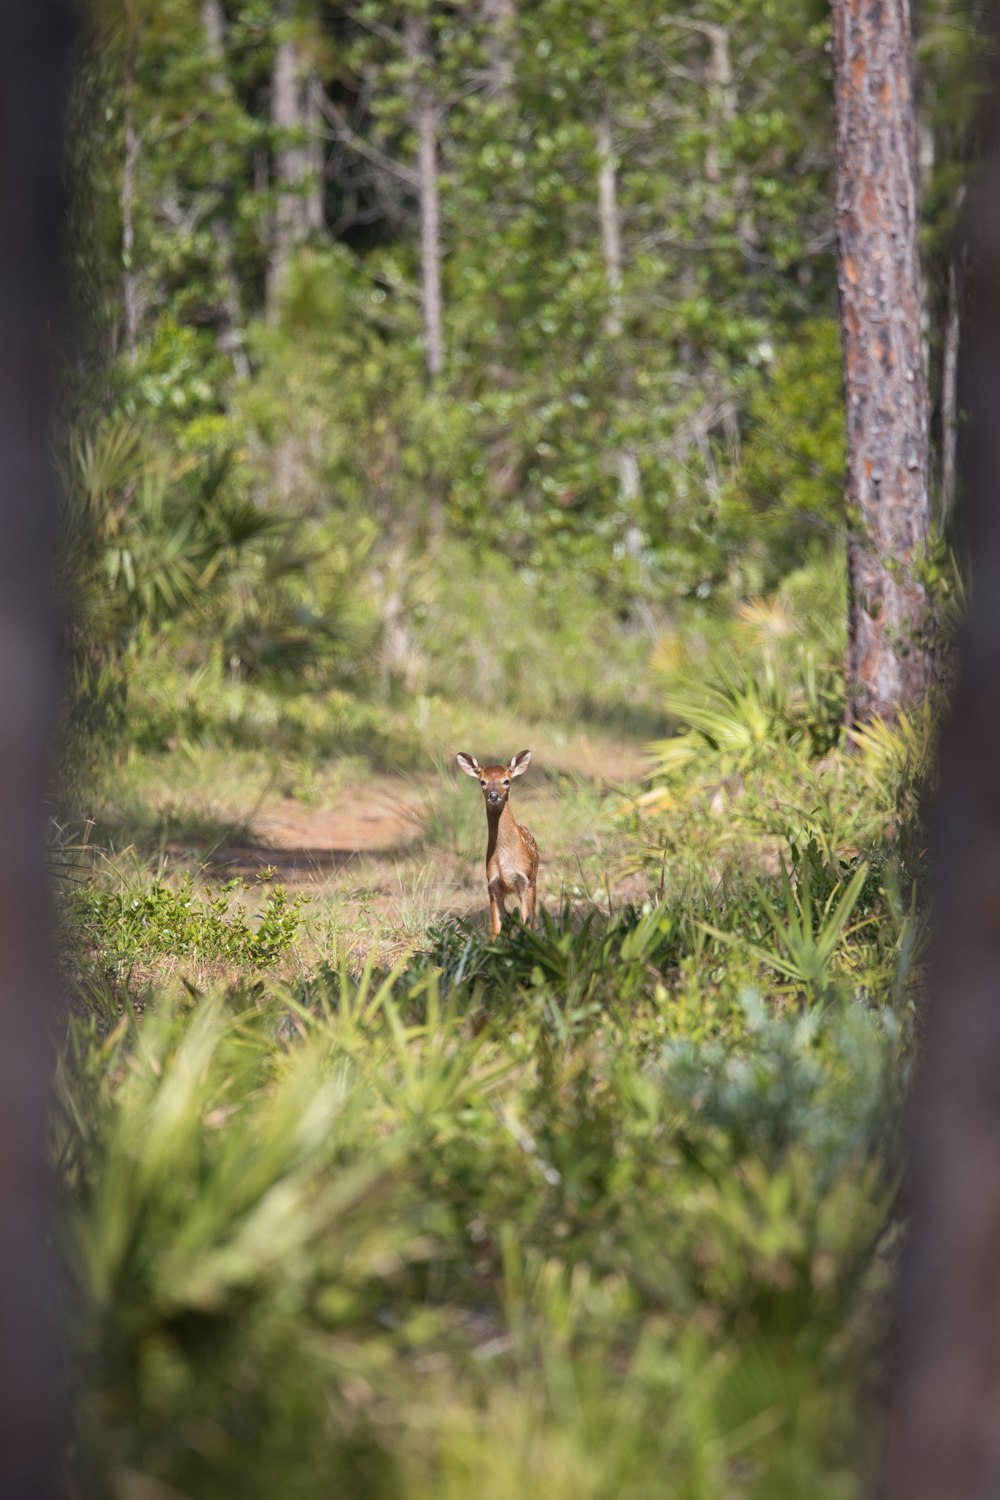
<point>889,661</point>
<point>130,289</point>
<point>230,335</point>
<point>611,246</point>
<point>944,1428</point>
<point>426,126</point>
<point>298,162</point>
<point>500,17</point>
<point>34,81</point>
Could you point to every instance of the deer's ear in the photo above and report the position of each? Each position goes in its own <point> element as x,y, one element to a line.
<point>519,763</point>
<point>468,763</point>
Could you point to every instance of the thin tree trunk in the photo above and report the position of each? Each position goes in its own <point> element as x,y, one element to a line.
<point>426,125</point>
<point>284,118</point>
<point>720,80</point>
<point>611,247</point>
<point>944,1431</point>
<point>295,116</point>
<point>34,79</point>
<point>230,335</point>
<point>501,23</point>
<point>607,213</point>
<point>722,84</point>
<point>130,290</point>
<point>889,662</point>
<point>313,216</point>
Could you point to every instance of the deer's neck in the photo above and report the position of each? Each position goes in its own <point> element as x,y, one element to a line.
<point>502,831</point>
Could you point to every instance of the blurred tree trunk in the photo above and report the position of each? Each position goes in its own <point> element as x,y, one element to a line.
<point>944,1432</point>
<point>296,115</point>
<point>230,336</point>
<point>33,90</point>
<point>949,394</point>
<point>889,662</point>
<point>130,287</point>
<point>609,219</point>
<point>425,123</point>
<point>501,25</point>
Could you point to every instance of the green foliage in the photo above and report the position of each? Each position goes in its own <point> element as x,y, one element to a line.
<point>217,1261</point>
<point>131,923</point>
<point>804,937</point>
<point>593,1202</point>
<point>723,202</point>
<point>749,713</point>
<point>786,495</point>
<point>395,1204</point>
<point>604,1208</point>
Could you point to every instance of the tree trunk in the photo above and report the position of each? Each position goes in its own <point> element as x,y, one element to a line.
<point>607,213</point>
<point>611,247</point>
<point>415,39</point>
<point>944,1431</point>
<point>298,161</point>
<point>130,290</point>
<point>230,335</point>
<point>34,79</point>
<point>501,22</point>
<point>720,80</point>
<point>889,662</point>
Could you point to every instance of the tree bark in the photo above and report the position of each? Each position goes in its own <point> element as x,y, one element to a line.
<point>130,289</point>
<point>609,219</point>
<point>296,104</point>
<point>720,80</point>
<point>425,120</point>
<point>889,660</point>
<point>501,23</point>
<point>944,1431</point>
<point>607,214</point>
<point>34,79</point>
<point>230,335</point>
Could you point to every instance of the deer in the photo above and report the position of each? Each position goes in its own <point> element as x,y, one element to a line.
<point>511,852</point>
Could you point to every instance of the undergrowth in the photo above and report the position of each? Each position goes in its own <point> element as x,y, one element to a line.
<point>122,925</point>
<point>606,1208</point>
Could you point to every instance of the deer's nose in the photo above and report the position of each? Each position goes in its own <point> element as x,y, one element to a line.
<point>493,796</point>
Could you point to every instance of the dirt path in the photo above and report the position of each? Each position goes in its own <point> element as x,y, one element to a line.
<point>380,819</point>
<point>305,844</point>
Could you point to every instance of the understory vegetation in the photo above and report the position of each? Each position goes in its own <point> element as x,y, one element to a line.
<point>604,1208</point>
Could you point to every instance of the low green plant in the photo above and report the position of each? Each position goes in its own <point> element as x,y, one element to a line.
<point>136,922</point>
<point>747,713</point>
<point>806,934</point>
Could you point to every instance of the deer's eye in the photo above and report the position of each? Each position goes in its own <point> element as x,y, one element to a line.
<point>482,783</point>
<point>506,783</point>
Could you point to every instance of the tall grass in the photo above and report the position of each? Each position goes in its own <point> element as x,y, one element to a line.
<point>484,1222</point>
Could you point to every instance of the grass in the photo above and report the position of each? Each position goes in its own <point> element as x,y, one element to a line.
<point>360,1199</point>
<point>493,1197</point>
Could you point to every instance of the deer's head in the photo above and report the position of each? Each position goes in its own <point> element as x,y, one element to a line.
<point>495,780</point>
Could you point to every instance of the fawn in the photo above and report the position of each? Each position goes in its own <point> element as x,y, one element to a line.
<point>511,852</point>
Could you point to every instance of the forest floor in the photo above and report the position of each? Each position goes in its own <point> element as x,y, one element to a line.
<point>376,857</point>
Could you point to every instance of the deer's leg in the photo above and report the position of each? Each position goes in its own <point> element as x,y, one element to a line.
<point>531,897</point>
<point>522,894</point>
<point>497,912</point>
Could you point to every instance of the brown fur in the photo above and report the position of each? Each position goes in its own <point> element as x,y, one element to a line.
<point>511,851</point>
